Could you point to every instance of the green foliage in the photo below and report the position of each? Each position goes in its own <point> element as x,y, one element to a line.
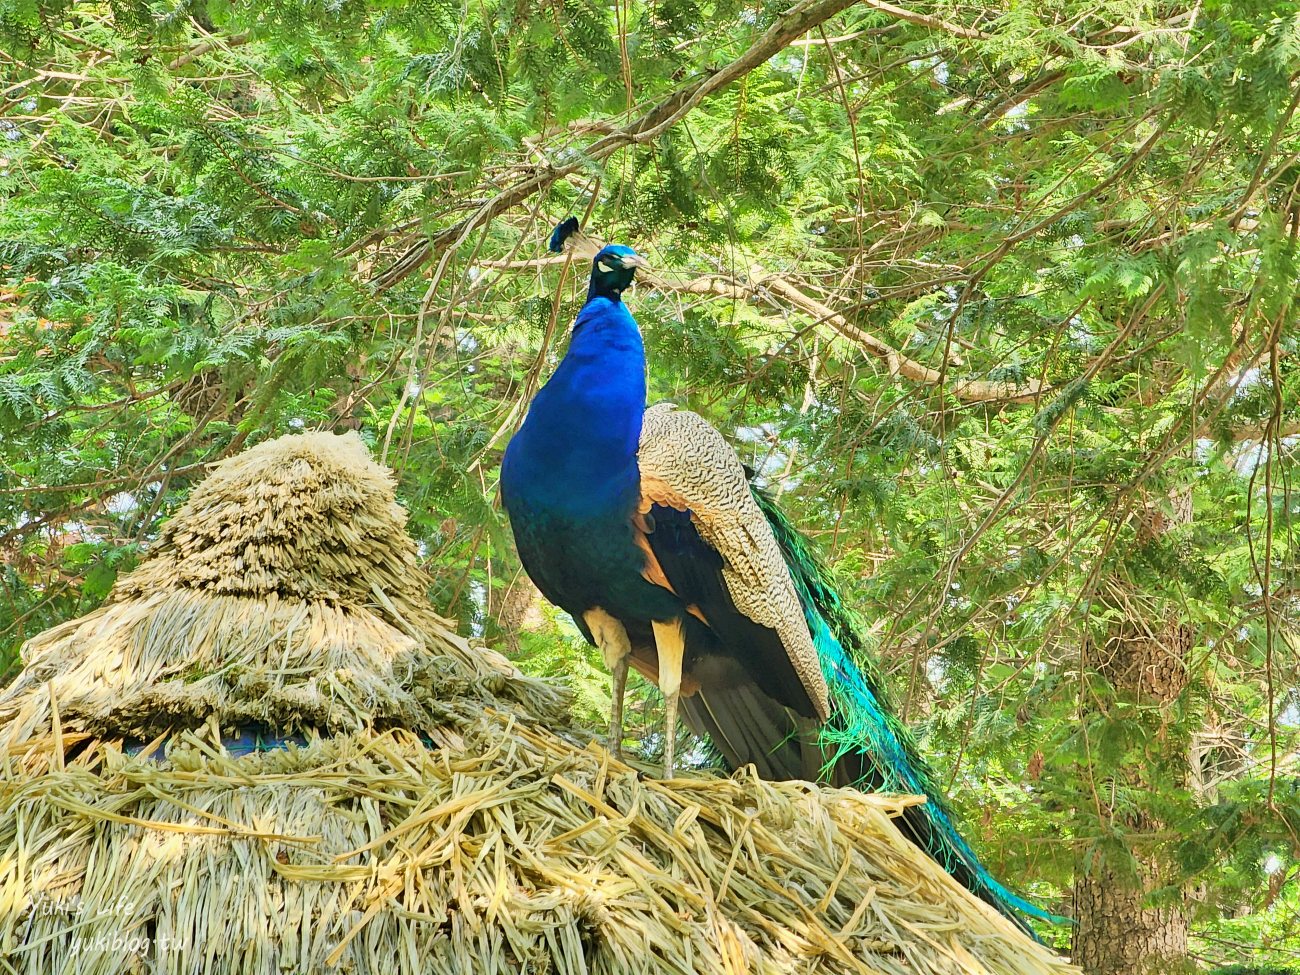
<point>1090,206</point>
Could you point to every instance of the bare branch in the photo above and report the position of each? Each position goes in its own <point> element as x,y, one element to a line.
<point>923,20</point>
<point>235,40</point>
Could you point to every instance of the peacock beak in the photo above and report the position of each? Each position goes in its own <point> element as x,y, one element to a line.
<point>634,261</point>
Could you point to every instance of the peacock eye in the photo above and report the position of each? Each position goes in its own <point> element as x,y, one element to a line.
<point>605,265</point>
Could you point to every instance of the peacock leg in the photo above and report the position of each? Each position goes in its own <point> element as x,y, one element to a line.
<point>619,670</point>
<point>611,636</point>
<point>670,645</point>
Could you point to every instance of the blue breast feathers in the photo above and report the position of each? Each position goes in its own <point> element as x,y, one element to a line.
<point>575,454</point>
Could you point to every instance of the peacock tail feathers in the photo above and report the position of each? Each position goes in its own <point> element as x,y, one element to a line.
<point>863,735</point>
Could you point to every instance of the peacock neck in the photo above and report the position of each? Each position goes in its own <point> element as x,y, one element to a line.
<point>576,452</point>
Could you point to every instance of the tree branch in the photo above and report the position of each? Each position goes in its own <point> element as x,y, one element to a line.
<point>802,18</point>
<point>923,20</point>
<point>760,284</point>
<point>235,40</point>
<point>1260,431</point>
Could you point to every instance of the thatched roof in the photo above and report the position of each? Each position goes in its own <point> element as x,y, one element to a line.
<point>285,592</point>
<point>439,819</point>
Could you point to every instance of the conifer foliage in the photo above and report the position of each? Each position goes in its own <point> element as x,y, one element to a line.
<point>999,299</point>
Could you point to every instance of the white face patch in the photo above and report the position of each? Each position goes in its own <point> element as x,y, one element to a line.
<point>605,265</point>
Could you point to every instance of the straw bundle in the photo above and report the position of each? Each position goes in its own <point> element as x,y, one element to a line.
<point>505,847</point>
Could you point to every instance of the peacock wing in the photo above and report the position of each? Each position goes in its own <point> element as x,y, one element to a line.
<point>710,543</point>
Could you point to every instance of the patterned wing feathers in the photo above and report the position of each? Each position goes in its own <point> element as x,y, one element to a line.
<point>687,465</point>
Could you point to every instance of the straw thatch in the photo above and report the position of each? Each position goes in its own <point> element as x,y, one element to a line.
<point>438,818</point>
<point>285,592</point>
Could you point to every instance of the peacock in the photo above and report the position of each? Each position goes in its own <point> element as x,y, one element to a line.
<point>643,525</point>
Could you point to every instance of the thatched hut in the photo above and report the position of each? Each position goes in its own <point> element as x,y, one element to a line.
<point>266,754</point>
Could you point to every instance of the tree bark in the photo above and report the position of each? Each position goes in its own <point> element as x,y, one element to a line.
<point>1119,932</point>
<point>518,612</point>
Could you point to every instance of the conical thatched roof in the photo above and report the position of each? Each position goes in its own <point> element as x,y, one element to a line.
<point>285,592</point>
<point>438,819</point>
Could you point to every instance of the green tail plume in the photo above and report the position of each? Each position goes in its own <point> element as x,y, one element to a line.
<point>863,738</point>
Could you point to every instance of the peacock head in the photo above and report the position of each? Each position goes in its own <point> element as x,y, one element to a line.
<point>613,268</point>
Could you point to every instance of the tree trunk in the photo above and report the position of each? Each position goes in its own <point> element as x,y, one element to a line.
<point>1117,935</point>
<point>518,612</point>
<point>1119,932</point>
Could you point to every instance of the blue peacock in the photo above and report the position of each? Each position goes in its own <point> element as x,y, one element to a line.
<point>643,525</point>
